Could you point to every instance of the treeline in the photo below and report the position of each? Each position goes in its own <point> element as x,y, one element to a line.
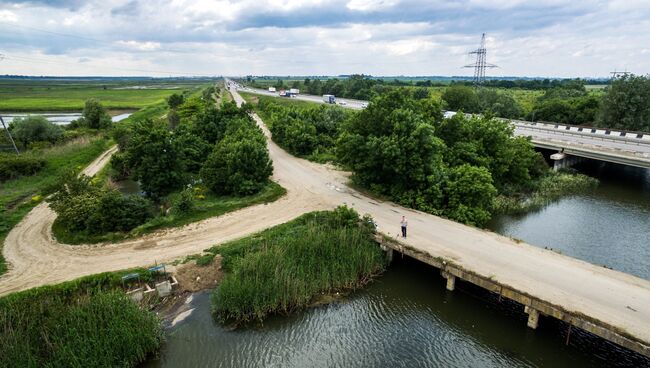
<point>624,104</point>
<point>305,132</point>
<point>201,151</point>
<point>533,84</point>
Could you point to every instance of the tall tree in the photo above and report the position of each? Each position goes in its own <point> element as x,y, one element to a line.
<point>626,104</point>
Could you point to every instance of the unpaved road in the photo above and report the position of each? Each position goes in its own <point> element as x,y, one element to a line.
<point>612,297</point>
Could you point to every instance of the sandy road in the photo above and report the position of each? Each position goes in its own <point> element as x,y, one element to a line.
<point>615,298</point>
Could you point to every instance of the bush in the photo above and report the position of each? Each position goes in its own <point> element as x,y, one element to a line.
<point>94,116</point>
<point>13,166</point>
<point>34,128</point>
<point>183,203</point>
<point>83,207</point>
<point>239,164</point>
<point>470,194</point>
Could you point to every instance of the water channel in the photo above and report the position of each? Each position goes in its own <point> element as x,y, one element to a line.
<point>406,318</point>
<point>59,118</point>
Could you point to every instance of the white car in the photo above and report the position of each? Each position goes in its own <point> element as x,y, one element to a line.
<point>343,103</point>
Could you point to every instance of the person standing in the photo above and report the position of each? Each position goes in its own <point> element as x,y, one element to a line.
<point>404,224</point>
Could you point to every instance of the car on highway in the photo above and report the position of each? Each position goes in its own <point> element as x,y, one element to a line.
<point>342,103</point>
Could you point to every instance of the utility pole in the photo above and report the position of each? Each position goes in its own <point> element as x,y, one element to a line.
<point>480,64</point>
<point>6,128</point>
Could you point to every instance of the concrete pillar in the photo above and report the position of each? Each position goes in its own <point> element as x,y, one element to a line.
<point>389,255</point>
<point>533,317</point>
<point>451,280</point>
<point>559,161</point>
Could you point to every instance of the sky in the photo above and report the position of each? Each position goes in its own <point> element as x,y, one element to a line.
<point>544,38</point>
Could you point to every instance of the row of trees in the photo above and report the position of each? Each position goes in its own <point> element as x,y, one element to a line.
<point>625,103</point>
<point>305,132</point>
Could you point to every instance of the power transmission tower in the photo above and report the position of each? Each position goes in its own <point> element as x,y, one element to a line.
<point>6,128</point>
<point>481,63</point>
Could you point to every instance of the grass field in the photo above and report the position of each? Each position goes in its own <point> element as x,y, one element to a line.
<point>37,95</point>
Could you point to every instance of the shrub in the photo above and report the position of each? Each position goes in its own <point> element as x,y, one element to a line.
<point>35,128</point>
<point>84,207</point>
<point>94,115</point>
<point>13,166</point>
<point>183,203</point>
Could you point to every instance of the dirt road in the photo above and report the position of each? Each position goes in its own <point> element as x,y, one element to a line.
<point>612,297</point>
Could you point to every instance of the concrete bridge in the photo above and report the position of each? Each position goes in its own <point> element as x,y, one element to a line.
<point>610,145</point>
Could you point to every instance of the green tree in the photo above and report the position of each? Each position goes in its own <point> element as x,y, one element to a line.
<point>175,100</point>
<point>155,159</point>
<point>95,115</point>
<point>626,104</point>
<point>391,147</point>
<point>192,149</point>
<point>461,98</point>
<point>239,164</point>
<point>34,128</point>
<point>470,194</point>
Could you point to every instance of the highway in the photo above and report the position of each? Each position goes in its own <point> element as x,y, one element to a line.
<point>630,149</point>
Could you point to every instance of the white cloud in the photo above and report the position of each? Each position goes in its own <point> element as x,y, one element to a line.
<point>8,16</point>
<point>142,46</point>
<point>370,5</point>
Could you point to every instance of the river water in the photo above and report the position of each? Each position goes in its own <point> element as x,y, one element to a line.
<point>59,118</point>
<point>406,318</point>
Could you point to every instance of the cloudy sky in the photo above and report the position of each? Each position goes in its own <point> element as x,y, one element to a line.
<point>323,37</point>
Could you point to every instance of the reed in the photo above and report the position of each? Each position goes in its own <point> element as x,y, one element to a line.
<point>285,268</point>
<point>83,323</point>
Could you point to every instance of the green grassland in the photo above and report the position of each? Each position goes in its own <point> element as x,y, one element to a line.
<point>37,95</point>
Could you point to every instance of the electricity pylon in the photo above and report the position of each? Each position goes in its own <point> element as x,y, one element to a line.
<point>481,63</point>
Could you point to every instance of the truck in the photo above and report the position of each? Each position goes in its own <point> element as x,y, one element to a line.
<point>294,91</point>
<point>271,89</point>
<point>330,99</point>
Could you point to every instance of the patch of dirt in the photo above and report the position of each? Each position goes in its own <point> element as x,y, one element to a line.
<point>195,278</point>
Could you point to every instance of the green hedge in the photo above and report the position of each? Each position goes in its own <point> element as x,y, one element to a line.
<point>13,166</point>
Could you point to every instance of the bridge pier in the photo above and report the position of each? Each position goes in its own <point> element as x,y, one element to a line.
<point>533,317</point>
<point>561,160</point>
<point>451,280</point>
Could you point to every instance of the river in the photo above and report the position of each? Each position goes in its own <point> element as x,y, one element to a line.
<point>406,318</point>
<point>59,118</point>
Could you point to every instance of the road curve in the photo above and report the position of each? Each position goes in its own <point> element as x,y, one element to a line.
<point>614,298</point>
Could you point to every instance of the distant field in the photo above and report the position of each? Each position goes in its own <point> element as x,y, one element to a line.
<point>36,95</point>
